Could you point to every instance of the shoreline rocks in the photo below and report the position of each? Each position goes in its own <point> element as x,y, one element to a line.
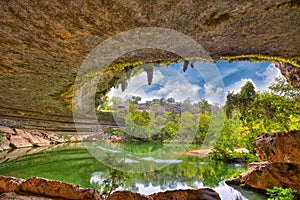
<point>279,154</point>
<point>18,138</point>
<point>41,188</point>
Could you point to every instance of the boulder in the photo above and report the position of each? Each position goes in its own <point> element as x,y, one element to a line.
<point>54,137</point>
<point>33,139</point>
<point>17,153</point>
<point>18,141</point>
<point>280,166</point>
<point>40,188</point>
<point>10,184</point>
<point>121,195</point>
<point>15,196</point>
<point>264,175</point>
<point>7,130</point>
<point>200,194</point>
<point>50,188</point>
<point>4,143</point>
<point>281,147</point>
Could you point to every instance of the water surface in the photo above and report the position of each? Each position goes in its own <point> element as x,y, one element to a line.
<point>74,164</point>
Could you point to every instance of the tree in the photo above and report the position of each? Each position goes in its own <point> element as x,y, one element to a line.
<point>187,127</point>
<point>203,125</point>
<point>115,101</point>
<point>204,106</point>
<point>135,99</point>
<point>137,122</point>
<point>277,109</point>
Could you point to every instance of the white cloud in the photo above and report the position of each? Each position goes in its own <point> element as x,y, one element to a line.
<point>236,87</point>
<point>268,76</point>
<point>179,89</point>
<point>175,85</point>
<point>213,94</point>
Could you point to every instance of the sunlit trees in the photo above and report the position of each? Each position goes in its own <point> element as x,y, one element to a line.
<point>277,109</point>
<point>204,119</point>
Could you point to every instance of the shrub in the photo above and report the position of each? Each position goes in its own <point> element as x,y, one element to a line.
<point>278,193</point>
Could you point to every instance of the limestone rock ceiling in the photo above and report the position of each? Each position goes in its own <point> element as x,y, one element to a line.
<point>43,43</point>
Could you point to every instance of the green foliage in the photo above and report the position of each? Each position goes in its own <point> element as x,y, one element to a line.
<point>138,123</point>
<point>112,131</point>
<point>278,193</point>
<point>2,134</point>
<point>116,177</point>
<point>115,180</point>
<point>203,124</point>
<point>228,140</point>
<point>277,109</point>
<point>260,58</point>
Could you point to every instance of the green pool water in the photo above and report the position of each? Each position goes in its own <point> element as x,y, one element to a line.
<point>74,164</point>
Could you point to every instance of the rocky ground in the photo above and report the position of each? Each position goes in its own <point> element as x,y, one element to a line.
<point>18,138</point>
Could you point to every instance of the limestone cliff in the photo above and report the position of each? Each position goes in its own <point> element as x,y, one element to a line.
<point>43,43</point>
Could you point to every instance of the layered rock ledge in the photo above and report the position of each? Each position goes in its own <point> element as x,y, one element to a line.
<point>43,44</point>
<point>40,188</point>
<point>279,154</point>
<point>18,138</point>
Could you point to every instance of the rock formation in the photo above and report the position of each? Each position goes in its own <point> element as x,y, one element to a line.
<point>205,194</point>
<point>40,188</point>
<point>279,166</point>
<point>279,147</point>
<point>42,44</point>
<point>18,138</point>
<point>291,73</point>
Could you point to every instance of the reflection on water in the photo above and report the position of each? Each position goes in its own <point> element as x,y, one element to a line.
<point>74,164</point>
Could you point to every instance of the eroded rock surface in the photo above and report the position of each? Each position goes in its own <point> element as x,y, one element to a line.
<point>280,166</point>
<point>15,196</point>
<point>265,175</point>
<point>50,188</point>
<point>203,194</point>
<point>279,147</point>
<point>18,138</point>
<point>120,195</point>
<point>10,184</point>
<point>42,44</point>
<point>291,73</point>
<point>35,188</point>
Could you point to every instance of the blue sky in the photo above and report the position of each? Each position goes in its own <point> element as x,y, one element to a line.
<point>211,81</point>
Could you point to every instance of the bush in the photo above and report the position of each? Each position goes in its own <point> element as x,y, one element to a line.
<point>278,193</point>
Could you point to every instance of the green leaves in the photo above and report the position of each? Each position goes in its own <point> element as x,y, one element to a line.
<point>278,193</point>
